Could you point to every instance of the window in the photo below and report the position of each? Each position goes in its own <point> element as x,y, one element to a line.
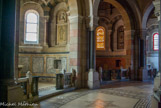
<point>155,41</point>
<point>31,27</point>
<point>120,37</point>
<point>100,38</point>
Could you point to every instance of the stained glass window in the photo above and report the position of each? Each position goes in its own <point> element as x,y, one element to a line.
<point>31,27</point>
<point>100,38</point>
<point>155,41</point>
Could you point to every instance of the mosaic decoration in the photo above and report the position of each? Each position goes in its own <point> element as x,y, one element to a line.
<point>142,97</point>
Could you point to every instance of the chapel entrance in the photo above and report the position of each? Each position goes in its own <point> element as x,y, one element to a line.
<point>111,44</point>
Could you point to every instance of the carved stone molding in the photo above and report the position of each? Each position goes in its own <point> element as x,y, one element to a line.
<point>92,22</point>
<point>141,33</point>
<point>156,4</point>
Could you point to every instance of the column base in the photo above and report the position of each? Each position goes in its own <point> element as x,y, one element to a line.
<point>142,74</point>
<point>45,46</point>
<point>93,79</point>
<point>155,98</point>
<point>11,92</point>
<point>154,102</point>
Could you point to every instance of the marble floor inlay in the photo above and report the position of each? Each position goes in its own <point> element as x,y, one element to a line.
<point>129,96</point>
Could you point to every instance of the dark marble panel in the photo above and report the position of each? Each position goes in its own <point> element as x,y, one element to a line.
<point>38,64</point>
<point>50,65</point>
<point>25,61</point>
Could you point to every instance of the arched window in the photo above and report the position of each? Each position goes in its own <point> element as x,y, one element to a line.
<point>100,38</point>
<point>120,37</point>
<point>155,41</point>
<point>31,27</point>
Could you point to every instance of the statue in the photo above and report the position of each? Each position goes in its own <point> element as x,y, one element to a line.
<point>100,74</point>
<point>29,76</point>
<point>73,77</point>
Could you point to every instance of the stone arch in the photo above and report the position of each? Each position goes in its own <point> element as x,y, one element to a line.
<point>73,7</point>
<point>102,19</point>
<point>127,29</point>
<point>115,20</point>
<point>116,25</point>
<point>23,9</point>
<point>53,21</point>
<point>146,15</point>
<point>136,11</point>
<point>120,9</point>
<point>152,28</point>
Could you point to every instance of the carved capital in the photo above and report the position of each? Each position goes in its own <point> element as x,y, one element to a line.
<point>46,18</point>
<point>156,4</point>
<point>141,33</point>
<point>92,22</point>
<point>75,19</point>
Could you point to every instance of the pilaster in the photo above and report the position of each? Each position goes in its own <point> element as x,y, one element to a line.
<point>93,76</point>
<point>156,97</point>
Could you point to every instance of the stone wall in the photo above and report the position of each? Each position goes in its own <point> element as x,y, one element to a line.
<point>110,63</point>
<point>44,64</point>
<point>51,54</point>
<point>111,19</point>
<point>152,56</point>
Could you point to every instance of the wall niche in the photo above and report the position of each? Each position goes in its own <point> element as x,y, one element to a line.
<point>57,64</point>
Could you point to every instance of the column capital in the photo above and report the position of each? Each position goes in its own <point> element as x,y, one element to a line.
<point>75,19</point>
<point>156,4</point>
<point>46,18</point>
<point>141,33</point>
<point>92,22</point>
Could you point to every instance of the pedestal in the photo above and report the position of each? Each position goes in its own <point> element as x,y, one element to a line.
<point>93,79</point>
<point>143,74</point>
<point>59,81</point>
<point>11,92</point>
<point>155,98</point>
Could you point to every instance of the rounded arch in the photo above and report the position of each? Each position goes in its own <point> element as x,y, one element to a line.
<point>107,21</point>
<point>73,7</point>
<point>136,11</point>
<point>58,7</point>
<point>31,5</point>
<point>146,15</point>
<point>120,9</point>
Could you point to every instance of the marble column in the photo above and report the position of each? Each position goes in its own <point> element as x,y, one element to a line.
<point>7,46</point>
<point>93,76</point>
<point>7,39</point>
<point>91,50</point>
<point>46,18</point>
<point>142,69</point>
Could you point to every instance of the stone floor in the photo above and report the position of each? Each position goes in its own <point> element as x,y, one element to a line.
<point>114,95</point>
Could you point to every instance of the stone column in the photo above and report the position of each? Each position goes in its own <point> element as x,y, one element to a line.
<point>156,97</point>
<point>7,35</point>
<point>7,39</point>
<point>46,18</point>
<point>91,50</point>
<point>93,76</point>
<point>74,47</point>
<point>142,69</point>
